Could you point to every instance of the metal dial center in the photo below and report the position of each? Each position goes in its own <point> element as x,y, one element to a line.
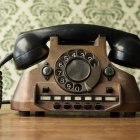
<point>78,70</point>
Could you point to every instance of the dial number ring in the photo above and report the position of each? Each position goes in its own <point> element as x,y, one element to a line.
<point>77,69</point>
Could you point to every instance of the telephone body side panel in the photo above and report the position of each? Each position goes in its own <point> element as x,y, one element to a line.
<point>29,97</point>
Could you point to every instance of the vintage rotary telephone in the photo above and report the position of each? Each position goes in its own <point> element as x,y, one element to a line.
<point>77,75</point>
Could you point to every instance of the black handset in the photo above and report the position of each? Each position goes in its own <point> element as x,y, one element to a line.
<point>30,48</point>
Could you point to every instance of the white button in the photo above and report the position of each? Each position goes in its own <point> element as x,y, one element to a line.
<point>98,98</point>
<point>67,98</point>
<point>45,98</point>
<point>110,98</point>
<point>57,98</point>
<point>78,98</point>
<point>88,98</point>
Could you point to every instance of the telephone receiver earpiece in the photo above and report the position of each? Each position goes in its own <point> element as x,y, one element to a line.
<point>126,52</point>
<point>30,47</point>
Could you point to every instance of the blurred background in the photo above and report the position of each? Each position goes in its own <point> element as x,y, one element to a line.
<point>19,16</point>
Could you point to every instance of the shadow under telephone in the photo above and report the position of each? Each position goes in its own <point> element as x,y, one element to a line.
<point>77,75</point>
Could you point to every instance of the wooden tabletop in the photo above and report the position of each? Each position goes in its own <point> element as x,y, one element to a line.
<point>14,127</point>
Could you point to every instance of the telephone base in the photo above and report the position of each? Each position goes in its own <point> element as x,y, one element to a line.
<point>114,114</point>
<point>28,113</point>
<point>111,114</point>
<point>124,114</point>
<point>129,114</point>
<point>24,113</point>
<point>77,79</point>
<point>40,113</point>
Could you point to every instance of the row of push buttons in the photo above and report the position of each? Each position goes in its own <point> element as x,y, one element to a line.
<point>77,106</point>
<point>77,98</point>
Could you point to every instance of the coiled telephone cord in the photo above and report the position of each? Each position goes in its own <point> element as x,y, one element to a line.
<point>1,85</point>
<point>0,89</point>
<point>6,59</point>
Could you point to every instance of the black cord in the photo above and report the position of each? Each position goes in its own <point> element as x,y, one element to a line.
<point>0,89</point>
<point>2,62</point>
<point>6,59</point>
